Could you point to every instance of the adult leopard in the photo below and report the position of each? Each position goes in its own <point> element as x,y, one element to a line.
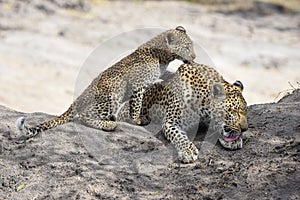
<point>196,93</point>
<point>98,104</point>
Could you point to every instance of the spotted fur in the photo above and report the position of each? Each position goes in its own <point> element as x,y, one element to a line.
<point>97,106</point>
<point>196,93</point>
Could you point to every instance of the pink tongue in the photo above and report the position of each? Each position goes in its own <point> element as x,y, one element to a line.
<point>231,139</point>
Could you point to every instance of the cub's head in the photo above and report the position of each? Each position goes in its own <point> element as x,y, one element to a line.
<point>180,44</point>
<point>235,122</point>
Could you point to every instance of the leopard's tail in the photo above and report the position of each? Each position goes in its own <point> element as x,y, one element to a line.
<point>33,131</point>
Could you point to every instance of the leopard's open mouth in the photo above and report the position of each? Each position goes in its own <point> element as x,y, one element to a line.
<point>231,139</point>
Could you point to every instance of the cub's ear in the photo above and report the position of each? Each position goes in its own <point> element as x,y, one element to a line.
<point>239,84</point>
<point>170,38</point>
<point>180,28</point>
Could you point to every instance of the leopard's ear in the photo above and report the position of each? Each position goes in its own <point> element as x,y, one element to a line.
<point>239,84</point>
<point>170,38</point>
<point>180,28</point>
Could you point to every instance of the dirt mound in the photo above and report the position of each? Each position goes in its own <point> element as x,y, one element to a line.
<point>291,98</point>
<point>133,163</point>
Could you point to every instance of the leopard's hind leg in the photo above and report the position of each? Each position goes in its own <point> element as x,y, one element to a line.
<point>100,115</point>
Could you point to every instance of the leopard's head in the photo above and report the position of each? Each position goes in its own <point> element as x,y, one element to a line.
<point>180,44</point>
<point>235,117</point>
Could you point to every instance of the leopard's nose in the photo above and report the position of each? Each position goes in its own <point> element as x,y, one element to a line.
<point>244,124</point>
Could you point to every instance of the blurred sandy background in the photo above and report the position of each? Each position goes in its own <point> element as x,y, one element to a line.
<point>43,44</point>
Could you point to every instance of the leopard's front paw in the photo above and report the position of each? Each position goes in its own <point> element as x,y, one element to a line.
<point>189,155</point>
<point>142,121</point>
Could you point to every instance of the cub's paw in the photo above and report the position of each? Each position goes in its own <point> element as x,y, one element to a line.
<point>142,121</point>
<point>189,155</point>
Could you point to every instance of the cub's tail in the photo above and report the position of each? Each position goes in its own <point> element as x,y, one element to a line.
<point>33,131</point>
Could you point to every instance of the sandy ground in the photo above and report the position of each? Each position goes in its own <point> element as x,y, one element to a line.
<point>76,162</point>
<point>44,46</point>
